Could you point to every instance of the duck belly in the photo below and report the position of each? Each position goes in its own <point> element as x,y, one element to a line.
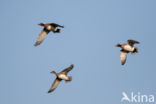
<point>64,77</point>
<point>128,48</point>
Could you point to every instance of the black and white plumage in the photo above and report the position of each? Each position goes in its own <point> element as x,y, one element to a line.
<point>61,76</point>
<point>47,28</point>
<point>126,48</point>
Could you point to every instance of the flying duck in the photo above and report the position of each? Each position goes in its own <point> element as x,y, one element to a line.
<point>47,28</point>
<point>61,76</point>
<point>126,48</point>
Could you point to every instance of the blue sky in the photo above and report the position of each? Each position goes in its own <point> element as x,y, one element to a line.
<point>92,28</point>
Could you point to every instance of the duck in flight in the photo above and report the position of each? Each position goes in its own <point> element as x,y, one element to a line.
<point>61,76</point>
<point>47,28</point>
<point>126,48</point>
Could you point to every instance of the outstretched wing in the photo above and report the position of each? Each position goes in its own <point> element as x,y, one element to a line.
<point>65,71</point>
<point>41,37</point>
<point>132,42</point>
<point>56,25</point>
<point>123,57</point>
<point>54,85</point>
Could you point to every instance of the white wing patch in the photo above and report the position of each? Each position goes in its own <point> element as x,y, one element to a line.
<point>62,76</point>
<point>128,48</point>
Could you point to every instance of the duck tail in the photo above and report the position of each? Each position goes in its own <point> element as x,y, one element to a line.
<point>135,50</point>
<point>70,79</point>
<point>118,45</point>
<point>57,31</point>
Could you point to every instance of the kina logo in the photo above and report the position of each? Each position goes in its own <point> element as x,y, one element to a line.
<point>137,98</point>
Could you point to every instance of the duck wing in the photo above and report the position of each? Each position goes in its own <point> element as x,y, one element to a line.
<point>54,85</point>
<point>123,56</point>
<point>56,25</point>
<point>65,71</point>
<point>41,37</point>
<point>132,42</point>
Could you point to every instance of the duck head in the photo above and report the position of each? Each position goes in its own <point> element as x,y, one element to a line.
<point>118,45</point>
<point>41,24</point>
<point>53,72</point>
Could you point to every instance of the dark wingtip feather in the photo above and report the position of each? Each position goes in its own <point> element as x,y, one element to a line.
<point>133,41</point>
<point>138,42</point>
<point>50,91</point>
<point>36,44</point>
<point>122,63</point>
<point>72,65</point>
